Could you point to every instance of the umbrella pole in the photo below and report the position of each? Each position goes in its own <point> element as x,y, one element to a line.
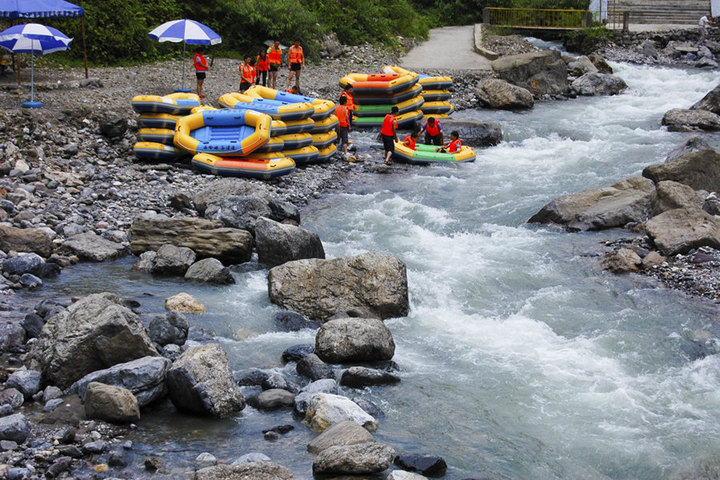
<point>84,47</point>
<point>183,65</point>
<point>32,77</point>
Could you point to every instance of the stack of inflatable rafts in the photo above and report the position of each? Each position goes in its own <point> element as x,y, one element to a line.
<point>376,93</point>
<point>157,120</point>
<point>435,92</point>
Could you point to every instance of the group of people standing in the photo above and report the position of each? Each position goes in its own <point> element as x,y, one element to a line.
<point>261,70</point>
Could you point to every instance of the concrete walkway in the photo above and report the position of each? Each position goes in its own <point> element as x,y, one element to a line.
<point>448,48</point>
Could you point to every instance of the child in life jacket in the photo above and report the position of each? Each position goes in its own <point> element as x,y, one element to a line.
<point>453,146</point>
<point>410,140</point>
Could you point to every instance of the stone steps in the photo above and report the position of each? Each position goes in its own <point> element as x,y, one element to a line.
<point>667,12</point>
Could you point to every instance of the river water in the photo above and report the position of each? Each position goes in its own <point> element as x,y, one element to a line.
<point>520,357</point>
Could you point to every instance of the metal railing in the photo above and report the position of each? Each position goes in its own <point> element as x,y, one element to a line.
<point>537,18</point>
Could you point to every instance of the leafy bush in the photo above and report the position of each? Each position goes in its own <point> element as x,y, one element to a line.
<point>587,40</point>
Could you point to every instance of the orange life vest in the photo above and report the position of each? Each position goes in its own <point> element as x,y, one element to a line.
<point>389,125</point>
<point>432,130</point>
<point>274,56</point>
<point>247,73</point>
<point>263,65</point>
<point>296,55</point>
<point>410,141</point>
<point>343,115</point>
<point>350,104</point>
<point>454,146</point>
<point>200,63</point>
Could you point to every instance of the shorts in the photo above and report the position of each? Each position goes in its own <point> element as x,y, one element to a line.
<point>294,67</point>
<point>433,140</point>
<point>388,142</point>
<point>274,67</point>
<point>343,135</point>
<point>244,86</point>
<point>200,75</point>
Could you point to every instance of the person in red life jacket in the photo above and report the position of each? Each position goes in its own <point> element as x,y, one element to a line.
<point>350,100</point>
<point>293,89</point>
<point>453,146</point>
<point>296,63</point>
<point>433,132</point>
<point>200,69</point>
<point>388,133</point>
<point>410,140</point>
<point>274,55</point>
<point>247,74</point>
<point>344,115</point>
<point>262,65</point>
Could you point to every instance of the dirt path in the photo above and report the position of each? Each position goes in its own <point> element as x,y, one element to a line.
<point>448,48</point>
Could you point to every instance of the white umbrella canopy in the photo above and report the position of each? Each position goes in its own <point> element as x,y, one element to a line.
<point>33,38</point>
<point>186,31</point>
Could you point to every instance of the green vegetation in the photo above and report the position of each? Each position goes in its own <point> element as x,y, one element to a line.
<point>587,40</point>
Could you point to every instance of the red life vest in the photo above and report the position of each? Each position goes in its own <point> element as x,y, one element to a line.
<point>200,63</point>
<point>274,56</point>
<point>389,125</point>
<point>263,65</point>
<point>432,130</point>
<point>454,146</point>
<point>296,55</point>
<point>350,104</point>
<point>343,115</point>
<point>247,73</point>
<point>410,141</point>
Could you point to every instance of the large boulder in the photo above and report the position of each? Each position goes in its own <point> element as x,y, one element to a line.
<point>600,208</point>
<point>670,195</point>
<point>496,93</point>
<point>26,240</point>
<point>321,288</point>
<point>93,247</point>
<point>686,120</point>
<point>94,333</point>
<point>210,270</point>
<point>600,63</point>
<point>598,84</point>
<point>478,134</point>
<point>239,212</point>
<point>698,170</point>
<point>144,378</point>
<point>207,238</point>
<point>229,187</point>
<point>201,382</point>
<point>171,327</point>
<point>172,260</point>
<point>710,102</point>
<point>278,243</point>
<point>357,459</point>
<point>110,403</point>
<point>681,230</point>
<point>326,410</point>
<point>346,340</point>
<point>695,143</point>
<point>245,471</point>
<point>302,399</point>
<point>343,433</point>
<point>541,73</point>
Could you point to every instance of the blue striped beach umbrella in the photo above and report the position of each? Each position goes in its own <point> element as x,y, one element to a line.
<point>186,31</point>
<point>33,38</point>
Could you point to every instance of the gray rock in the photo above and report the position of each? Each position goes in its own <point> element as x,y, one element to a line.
<point>173,260</point>
<point>710,102</point>
<point>210,270</point>
<point>240,212</point>
<point>692,144</point>
<point>12,335</point>
<point>171,327</point>
<point>320,288</point>
<point>312,367</point>
<point>12,397</point>
<point>686,120</point>
<point>326,410</point>
<point>277,243</point>
<point>288,321</point>
<point>698,170</point>
<point>276,380</point>
<point>171,351</point>
<point>110,403</point>
<point>598,84</point>
<point>543,72</point>
<point>26,382</point>
<point>245,471</point>
<point>35,240</point>
<point>205,459</point>
<point>94,333</point>
<point>51,392</point>
<point>478,134</point>
<point>302,399</point>
<point>647,48</point>
<point>92,247</point>
<point>113,125</point>
<point>600,208</point>
<point>360,377</point>
<point>343,433</point>
<point>622,260</point>
<point>347,340</point>
<point>670,195</point>
<point>430,465</point>
<point>23,263</point>
<point>28,280</point>
<point>98,446</point>
<point>272,399</point>
<point>681,230</point>
<point>207,238</point>
<point>251,458</point>
<point>201,382</point>
<point>144,378</point>
<point>14,427</point>
<point>229,187</point>
<point>145,262</point>
<point>496,93</point>
<point>358,459</point>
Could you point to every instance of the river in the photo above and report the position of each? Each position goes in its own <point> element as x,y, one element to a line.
<point>520,357</point>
